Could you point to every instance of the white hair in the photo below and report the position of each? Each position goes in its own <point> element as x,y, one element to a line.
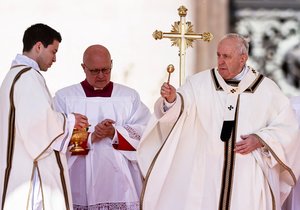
<point>243,44</point>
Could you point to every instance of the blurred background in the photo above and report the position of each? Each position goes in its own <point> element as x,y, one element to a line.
<point>126,27</point>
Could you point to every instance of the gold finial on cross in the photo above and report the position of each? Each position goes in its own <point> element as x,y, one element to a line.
<point>182,36</point>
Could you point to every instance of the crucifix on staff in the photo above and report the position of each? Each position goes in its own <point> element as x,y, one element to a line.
<point>182,36</point>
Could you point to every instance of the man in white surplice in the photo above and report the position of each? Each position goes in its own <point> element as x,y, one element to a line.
<point>227,140</point>
<point>108,177</point>
<point>33,137</point>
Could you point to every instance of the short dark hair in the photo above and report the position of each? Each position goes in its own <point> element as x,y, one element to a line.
<point>39,33</point>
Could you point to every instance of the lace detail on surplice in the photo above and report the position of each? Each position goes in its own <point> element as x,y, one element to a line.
<point>132,133</point>
<point>110,206</point>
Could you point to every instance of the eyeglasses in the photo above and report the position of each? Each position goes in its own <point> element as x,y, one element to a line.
<point>95,72</point>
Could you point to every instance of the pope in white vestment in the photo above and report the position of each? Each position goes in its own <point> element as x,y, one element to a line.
<point>194,169</point>
<point>189,163</point>
<point>108,177</point>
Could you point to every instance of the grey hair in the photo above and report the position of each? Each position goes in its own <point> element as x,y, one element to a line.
<point>243,44</point>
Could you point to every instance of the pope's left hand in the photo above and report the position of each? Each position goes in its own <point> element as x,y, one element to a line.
<point>247,144</point>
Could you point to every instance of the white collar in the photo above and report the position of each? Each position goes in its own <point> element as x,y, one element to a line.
<point>241,75</point>
<point>24,60</point>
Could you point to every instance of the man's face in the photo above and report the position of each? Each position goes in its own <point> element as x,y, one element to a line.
<point>230,60</point>
<point>46,55</point>
<point>98,71</point>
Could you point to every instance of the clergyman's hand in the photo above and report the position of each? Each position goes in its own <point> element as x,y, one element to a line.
<point>168,92</point>
<point>81,121</point>
<point>247,144</point>
<point>103,129</point>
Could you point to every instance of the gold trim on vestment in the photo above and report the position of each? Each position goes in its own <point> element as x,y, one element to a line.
<point>10,148</point>
<point>62,178</point>
<point>11,135</point>
<point>41,184</point>
<point>215,80</point>
<point>252,88</point>
<point>228,166</point>
<point>278,159</point>
<point>156,156</point>
<point>12,67</point>
<point>255,84</point>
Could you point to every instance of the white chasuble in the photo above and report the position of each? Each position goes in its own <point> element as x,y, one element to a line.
<point>188,167</point>
<point>106,178</point>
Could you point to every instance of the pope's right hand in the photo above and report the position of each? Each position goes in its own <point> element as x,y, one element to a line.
<point>81,121</point>
<point>168,92</point>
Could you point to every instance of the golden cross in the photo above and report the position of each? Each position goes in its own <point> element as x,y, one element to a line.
<point>182,36</point>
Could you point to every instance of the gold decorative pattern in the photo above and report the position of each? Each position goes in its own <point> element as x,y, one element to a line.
<point>157,34</point>
<point>148,174</point>
<point>207,36</point>
<point>182,11</point>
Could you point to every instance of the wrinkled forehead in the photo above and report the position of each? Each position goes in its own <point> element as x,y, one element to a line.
<point>228,46</point>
